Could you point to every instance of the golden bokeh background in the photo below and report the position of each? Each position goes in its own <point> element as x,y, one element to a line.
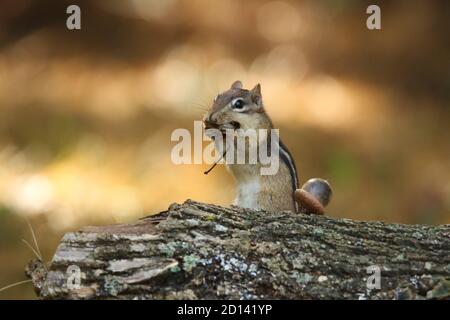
<point>86,116</point>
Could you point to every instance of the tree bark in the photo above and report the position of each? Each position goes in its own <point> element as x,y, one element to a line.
<point>202,251</point>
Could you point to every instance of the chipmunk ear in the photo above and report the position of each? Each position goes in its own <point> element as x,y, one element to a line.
<point>256,94</point>
<point>236,85</point>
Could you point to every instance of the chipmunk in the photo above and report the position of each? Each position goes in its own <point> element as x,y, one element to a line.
<point>239,108</point>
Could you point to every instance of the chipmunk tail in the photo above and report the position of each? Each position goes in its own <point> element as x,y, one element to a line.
<point>314,196</point>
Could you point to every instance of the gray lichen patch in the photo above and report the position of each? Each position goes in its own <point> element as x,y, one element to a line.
<point>440,291</point>
<point>168,249</point>
<point>113,285</point>
<point>189,262</point>
<point>220,228</point>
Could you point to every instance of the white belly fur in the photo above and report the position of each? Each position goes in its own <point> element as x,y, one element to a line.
<point>247,193</point>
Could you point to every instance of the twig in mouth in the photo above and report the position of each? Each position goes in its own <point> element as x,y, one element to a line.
<point>215,163</point>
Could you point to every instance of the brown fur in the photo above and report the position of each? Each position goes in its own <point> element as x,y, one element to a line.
<point>274,191</point>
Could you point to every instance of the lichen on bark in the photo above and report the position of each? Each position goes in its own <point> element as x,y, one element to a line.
<point>201,251</point>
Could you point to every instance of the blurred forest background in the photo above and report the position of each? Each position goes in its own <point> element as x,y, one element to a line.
<point>86,116</point>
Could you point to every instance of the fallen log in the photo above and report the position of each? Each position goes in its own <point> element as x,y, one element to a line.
<point>202,251</point>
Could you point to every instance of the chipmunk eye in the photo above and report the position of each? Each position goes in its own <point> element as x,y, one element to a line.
<point>238,104</point>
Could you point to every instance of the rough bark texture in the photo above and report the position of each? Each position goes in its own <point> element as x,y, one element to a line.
<point>202,251</point>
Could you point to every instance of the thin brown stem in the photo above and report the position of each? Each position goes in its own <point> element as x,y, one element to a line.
<point>215,163</point>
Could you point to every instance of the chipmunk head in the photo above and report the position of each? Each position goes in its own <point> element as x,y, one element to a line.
<point>237,108</point>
